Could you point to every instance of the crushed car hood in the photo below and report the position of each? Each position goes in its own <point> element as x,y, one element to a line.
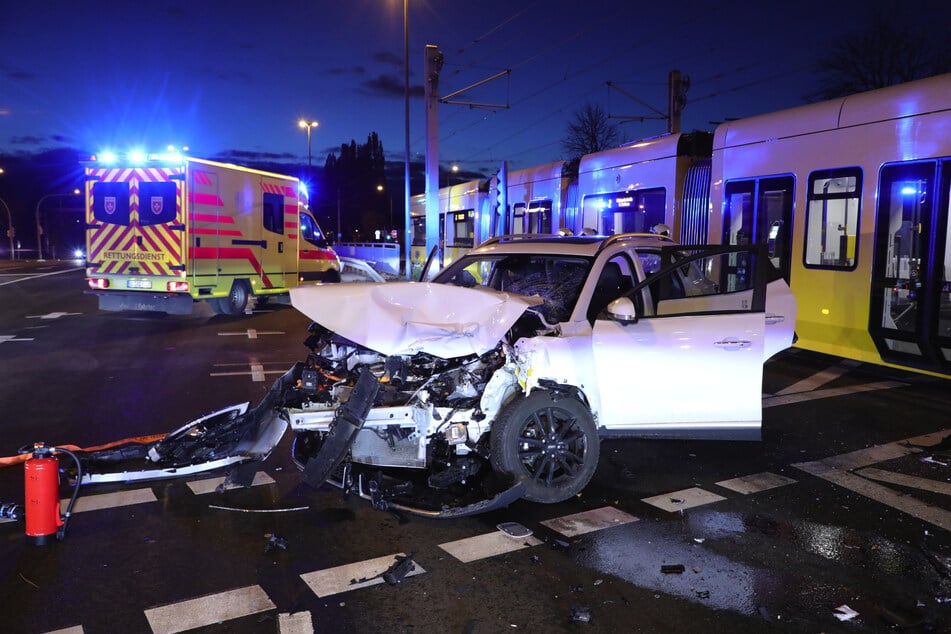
<point>408,317</point>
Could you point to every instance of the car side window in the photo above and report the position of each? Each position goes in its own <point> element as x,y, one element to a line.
<point>615,280</point>
<point>718,283</point>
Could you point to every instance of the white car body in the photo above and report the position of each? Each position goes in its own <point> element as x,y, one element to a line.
<point>646,338</point>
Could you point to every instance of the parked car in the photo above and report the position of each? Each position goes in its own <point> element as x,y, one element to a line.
<point>497,379</point>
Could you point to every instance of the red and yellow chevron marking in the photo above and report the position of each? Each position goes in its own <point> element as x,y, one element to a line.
<point>151,249</point>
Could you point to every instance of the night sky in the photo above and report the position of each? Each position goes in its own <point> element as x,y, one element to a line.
<point>231,78</point>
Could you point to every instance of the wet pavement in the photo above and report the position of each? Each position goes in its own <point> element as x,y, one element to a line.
<point>670,536</point>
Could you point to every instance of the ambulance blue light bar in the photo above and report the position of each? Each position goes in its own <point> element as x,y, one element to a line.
<point>137,157</point>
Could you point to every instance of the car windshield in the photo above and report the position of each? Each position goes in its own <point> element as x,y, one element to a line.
<point>557,279</point>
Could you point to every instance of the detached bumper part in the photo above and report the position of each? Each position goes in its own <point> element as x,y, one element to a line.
<point>498,501</point>
<point>348,421</point>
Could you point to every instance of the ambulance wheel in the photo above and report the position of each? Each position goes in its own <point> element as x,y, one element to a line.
<point>234,303</point>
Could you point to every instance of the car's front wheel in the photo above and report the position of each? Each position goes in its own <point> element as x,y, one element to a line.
<point>551,442</point>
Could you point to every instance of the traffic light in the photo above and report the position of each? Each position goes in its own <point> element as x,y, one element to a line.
<point>500,217</point>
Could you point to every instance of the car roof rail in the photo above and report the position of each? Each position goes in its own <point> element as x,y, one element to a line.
<point>623,237</point>
<point>517,237</point>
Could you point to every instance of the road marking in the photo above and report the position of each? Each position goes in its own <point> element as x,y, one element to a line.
<point>6,338</point>
<point>684,499</point>
<point>786,399</point>
<point>33,277</point>
<point>109,500</point>
<point>297,623</point>
<point>208,610</point>
<point>905,503</point>
<point>755,483</point>
<point>911,482</point>
<point>877,453</point>
<point>589,521</point>
<point>487,545</point>
<point>818,379</point>
<point>52,315</point>
<point>210,485</point>
<point>255,370</point>
<point>841,470</point>
<point>251,333</point>
<point>330,581</point>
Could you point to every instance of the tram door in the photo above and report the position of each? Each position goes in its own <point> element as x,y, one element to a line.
<point>759,211</point>
<point>910,318</point>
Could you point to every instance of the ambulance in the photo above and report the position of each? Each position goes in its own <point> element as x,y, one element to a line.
<point>164,231</point>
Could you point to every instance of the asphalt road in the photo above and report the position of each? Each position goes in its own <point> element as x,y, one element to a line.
<point>832,511</point>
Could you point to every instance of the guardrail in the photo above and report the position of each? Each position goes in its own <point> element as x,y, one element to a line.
<point>382,256</point>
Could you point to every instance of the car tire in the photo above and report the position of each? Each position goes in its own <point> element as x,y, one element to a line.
<point>550,442</point>
<point>234,303</point>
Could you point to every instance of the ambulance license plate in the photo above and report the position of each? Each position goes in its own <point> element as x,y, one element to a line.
<point>138,284</point>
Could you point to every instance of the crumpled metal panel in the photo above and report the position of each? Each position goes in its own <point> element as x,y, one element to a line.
<point>403,318</point>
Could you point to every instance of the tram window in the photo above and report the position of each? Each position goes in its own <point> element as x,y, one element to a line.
<point>832,218</point>
<point>738,213</point>
<point>518,218</point>
<point>419,231</point>
<point>627,212</point>
<point>539,214</point>
<point>463,228</point>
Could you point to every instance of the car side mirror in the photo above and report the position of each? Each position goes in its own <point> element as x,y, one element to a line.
<point>622,310</point>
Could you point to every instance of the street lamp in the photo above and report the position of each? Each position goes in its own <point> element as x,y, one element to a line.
<point>307,125</point>
<point>39,229</point>
<point>10,231</point>
<point>380,188</point>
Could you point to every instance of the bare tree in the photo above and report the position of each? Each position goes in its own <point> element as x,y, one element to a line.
<point>884,53</point>
<point>589,131</point>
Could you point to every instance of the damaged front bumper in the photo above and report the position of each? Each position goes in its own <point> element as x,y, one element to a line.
<point>233,437</point>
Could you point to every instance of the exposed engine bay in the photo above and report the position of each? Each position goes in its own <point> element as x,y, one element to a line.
<point>427,413</point>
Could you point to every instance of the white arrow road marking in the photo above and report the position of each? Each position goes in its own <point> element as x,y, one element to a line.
<point>5,338</point>
<point>52,315</point>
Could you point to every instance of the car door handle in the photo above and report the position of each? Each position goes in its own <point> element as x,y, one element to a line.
<point>732,343</point>
<point>772,318</point>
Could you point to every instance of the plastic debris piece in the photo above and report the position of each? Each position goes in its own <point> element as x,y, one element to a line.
<point>514,530</point>
<point>703,594</point>
<point>598,582</point>
<point>556,543</point>
<point>672,569</point>
<point>239,510</point>
<point>274,542</point>
<point>844,613</point>
<point>400,568</point>
<point>580,614</point>
<point>932,461</point>
<point>699,540</point>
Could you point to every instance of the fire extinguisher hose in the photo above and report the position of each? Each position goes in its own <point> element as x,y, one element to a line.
<point>142,440</point>
<point>61,533</point>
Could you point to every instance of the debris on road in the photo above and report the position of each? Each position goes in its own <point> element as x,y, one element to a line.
<point>672,569</point>
<point>274,542</point>
<point>514,530</point>
<point>580,614</point>
<point>232,508</point>
<point>844,613</point>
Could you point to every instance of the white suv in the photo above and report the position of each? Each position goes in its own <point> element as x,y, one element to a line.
<point>501,374</point>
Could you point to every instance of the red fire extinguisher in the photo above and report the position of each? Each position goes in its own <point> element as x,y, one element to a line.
<point>42,507</point>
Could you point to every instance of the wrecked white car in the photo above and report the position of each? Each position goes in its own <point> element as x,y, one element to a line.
<point>497,379</point>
